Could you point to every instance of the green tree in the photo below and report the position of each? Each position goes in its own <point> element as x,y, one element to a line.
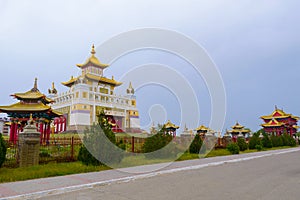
<point>288,140</point>
<point>156,145</point>
<point>242,144</point>
<point>266,141</point>
<point>233,148</point>
<point>100,144</point>
<point>196,144</point>
<point>254,140</point>
<point>3,150</point>
<point>276,141</point>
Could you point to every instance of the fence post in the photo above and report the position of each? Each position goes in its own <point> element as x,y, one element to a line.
<point>132,144</point>
<point>72,148</point>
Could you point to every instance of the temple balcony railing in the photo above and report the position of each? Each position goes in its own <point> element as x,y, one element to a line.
<point>94,98</point>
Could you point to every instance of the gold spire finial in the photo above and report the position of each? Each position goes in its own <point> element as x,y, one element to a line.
<point>53,87</point>
<point>35,83</point>
<point>35,88</point>
<point>276,107</point>
<point>93,50</point>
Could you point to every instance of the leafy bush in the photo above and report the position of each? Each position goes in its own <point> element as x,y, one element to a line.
<point>242,144</point>
<point>266,141</point>
<point>3,150</point>
<point>121,145</point>
<point>233,148</point>
<point>254,140</point>
<point>276,141</point>
<point>156,145</point>
<point>196,144</point>
<point>100,144</point>
<point>259,147</point>
<point>288,140</point>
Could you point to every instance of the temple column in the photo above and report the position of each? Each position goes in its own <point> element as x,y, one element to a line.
<point>55,125</point>
<point>45,132</point>
<point>48,133</point>
<point>60,125</point>
<point>41,130</point>
<point>15,132</point>
<point>11,131</point>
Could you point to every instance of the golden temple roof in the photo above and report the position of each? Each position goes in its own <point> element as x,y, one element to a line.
<point>70,82</point>
<point>278,113</point>
<point>202,128</point>
<point>169,124</point>
<point>296,127</point>
<point>33,94</point>
<point>31,107</point>
<point>93,60</point>
<point>103,79</point>
<point>237,126</point>
<point>273,123</point>
<point>239,131</point>
<point>36,107</point>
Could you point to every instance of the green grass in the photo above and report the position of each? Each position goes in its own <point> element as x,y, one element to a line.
<point>49,170</point>
<point>218,152</point>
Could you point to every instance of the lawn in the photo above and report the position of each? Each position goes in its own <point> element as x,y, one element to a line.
<point>48,170</point>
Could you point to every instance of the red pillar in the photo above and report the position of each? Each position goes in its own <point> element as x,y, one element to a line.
<point>48,132</point>
<point>15,132</point>
<point>11,132</point>
<point>41,132</point>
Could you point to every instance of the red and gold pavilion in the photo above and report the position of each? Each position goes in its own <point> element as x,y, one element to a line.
<point>203,130</point>
<point>171,128</point>
<point>238,131</point>
<point>34,103</point>
<point>280,122</point>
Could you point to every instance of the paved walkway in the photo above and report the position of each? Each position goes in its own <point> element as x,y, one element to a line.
<point>38,188</point>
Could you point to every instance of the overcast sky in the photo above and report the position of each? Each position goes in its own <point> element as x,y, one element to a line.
<point>254,44</point>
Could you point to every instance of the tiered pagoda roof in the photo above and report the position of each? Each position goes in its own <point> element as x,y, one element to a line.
<point>237,128</point>
<point>32,101</point>
<point>273,123</point>
<point>92,61</point>
<point>170,125</point>
<point>278,114</point>
<point>202,128</point>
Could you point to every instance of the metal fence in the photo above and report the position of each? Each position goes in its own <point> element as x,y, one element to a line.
<point>63,149</point>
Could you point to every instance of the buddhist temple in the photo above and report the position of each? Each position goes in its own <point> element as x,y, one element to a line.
<point>238,131</point>
<point>280,122</point>
<point>89,93</point>
<point>171,128</point>
<point>34,103</point>
<point>203,131</point>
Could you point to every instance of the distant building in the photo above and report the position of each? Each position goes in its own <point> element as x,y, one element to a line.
<point>4,128</point>
<point>280,122</point>
<point>239,131</point>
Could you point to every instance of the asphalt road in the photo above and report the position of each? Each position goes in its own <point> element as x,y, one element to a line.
<point>268,178</point>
